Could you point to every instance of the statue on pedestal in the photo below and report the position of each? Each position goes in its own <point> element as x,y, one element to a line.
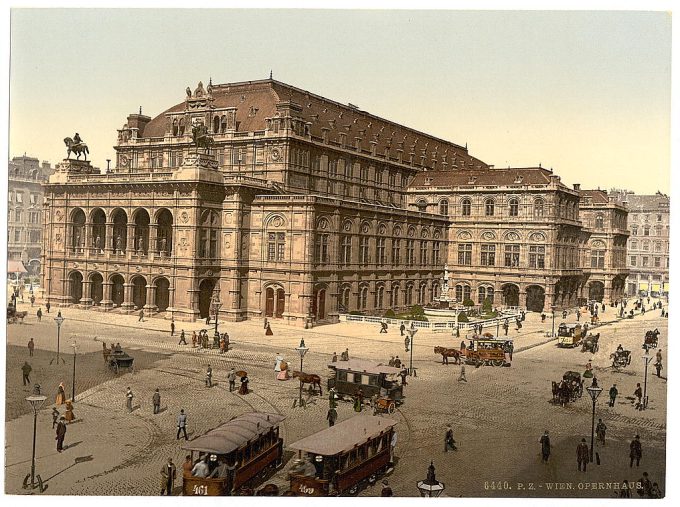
<point>77,146</point>
<point>200,136</point>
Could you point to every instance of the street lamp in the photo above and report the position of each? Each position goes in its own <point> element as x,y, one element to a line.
<point>216,305</point>
<point>553,320</point>
<point>73,383</point>
<point>302,350</point>
<point>594,391</point>
<point>59,320</point>
<point>430,487</point>
<point>36,401</point>
<point>647,359</point>
<point>412,332</point>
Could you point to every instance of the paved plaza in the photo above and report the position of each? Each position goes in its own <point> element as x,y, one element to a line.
<point>498,416</point>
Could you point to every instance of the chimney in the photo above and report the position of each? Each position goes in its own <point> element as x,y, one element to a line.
<point>139,122</point>
<point>577,186</point>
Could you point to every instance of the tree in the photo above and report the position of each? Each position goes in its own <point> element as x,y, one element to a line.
<point>462,317</point>
<point>487,306</point>
<point>417,310</point>
<point>389,314</point>
<point>468,302</point>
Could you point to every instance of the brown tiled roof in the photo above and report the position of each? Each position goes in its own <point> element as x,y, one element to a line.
<point>598,196</point>
<point>324,113</point>
<point>491,176</point>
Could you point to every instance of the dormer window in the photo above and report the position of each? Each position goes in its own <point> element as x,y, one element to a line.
<point>519,179</point>
<point>428,181</point>
<point>472,180</point>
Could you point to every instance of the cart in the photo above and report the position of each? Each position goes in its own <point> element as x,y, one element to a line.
<point>385,405</point>
<point>119,360</point>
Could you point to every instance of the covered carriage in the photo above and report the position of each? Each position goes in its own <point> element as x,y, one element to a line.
<point>569,335</point>
<point>373,378</point>
<point>570,388</point>
<point>620,359</point>
<point>118,360</point>
<point>591,343</point>
<point>652,338</point>
<point>488,351</point>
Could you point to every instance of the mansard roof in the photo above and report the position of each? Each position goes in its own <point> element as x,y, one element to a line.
<point>255,101</point>
<point>490,176</point>
<point>597,196</point>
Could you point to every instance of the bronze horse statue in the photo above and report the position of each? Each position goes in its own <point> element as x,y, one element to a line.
<point>201,137</point>
<point>313,380</point>
<point>446,353</point>
<point>77,148</point>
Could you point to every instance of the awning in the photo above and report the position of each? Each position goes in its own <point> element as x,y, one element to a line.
<point>14,266</point>
<point>644,285</point>
<point>665,287</point>
<point>656,287</point>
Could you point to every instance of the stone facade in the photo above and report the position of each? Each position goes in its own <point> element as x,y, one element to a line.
<point>24,208</point>
<point>649,241</point>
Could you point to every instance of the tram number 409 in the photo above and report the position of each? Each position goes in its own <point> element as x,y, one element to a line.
<point>200,489</point>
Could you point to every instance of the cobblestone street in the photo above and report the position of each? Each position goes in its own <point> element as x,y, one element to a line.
<point>498,416</point>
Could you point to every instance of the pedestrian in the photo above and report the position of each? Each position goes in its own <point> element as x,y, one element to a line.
<point>656,491</point>
<point>226,341</point>
<point>182,338</point>
<point>268,330</point>
<point>55,416</point>
<point>402,328</point>
<point>39,314</point>
<point>334,359</point>
<point>545,446</point>
<point>194,339</point>
<point>600,431</point>
<point>510,348</point>
<point>168,476</point>
<point>32,300</point>
<point>359,401</point>
<point>658,365</point>
<point>48,306</point>
<point>578,315</point>
<point>61,395</point>
<point>397,362</point>
<point>26,371</point>
<point>69,415</point>
<point>613,393</point>
<point>449,442</point>
<point>407,342</point>
<point>582,454</point>
<point>208,377</point>
<point>543,317</point>
<point>201,468</point>
<point>638,397</point>
<point>403,375</point>
<point>461,377</point>
<point>277,362</point>
<point>141,316</point>
<point>635,451</point>
<point>222,345</point>
<point>332,416</point>
<point>243,389</point>
<point>232,380</point>
<point>332,403</point>
<point>391,362</point>
<point>31,346</point>
<point>128,397</point>
<point>187,466</point>
<point>386,490</point>
<point>383,327</point>
<point>345,355</point>
<point>182,424</point>
<point>157,401</point>
<point>644,486</point>
<point>172,328</point>
<point>61,433</point>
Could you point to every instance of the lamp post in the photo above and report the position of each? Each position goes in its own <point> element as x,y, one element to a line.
<point>553,320</point>
<point>411,333</point>
<point>73,383</point>
<point>36,401</point>
<point>59,320</point>
<point>594,391</point>
<point>430,487</point>
<point>302,350</point>
<point>498,323</point>
<point>647,358</point>
<point>216,305</point>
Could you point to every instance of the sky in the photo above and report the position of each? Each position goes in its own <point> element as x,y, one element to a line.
<point>586,93</point>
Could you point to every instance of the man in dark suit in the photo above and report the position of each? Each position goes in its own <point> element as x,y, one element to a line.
<point>61,433</point>
<point>582,454</point>
<point>168,475</point>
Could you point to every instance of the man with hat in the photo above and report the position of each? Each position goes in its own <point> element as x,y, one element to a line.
<point>168,475</point>
<point>582,454</point>
<point>635,451</point>
<point>232,380</point>
<point>61,433</point>
<point>545,446</point>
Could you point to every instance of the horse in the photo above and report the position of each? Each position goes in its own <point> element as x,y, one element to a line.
<point>446,353</point>
<point>268,490</point>
<point>313,380</point>
<point>76,148</point>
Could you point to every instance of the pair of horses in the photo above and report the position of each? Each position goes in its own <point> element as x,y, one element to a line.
<point>446,353</point>
<point>312,379</point>
<point>564,392</point>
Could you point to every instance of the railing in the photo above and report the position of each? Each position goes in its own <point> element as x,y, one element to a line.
<point>510,313</point>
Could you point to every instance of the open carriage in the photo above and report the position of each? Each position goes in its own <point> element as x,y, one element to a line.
<point>341,459</point>
<point>591,343</point>
<point>118,360</point>
<point>569,389</point>
<point>652,338</point>
<point>620,359</point>
<point>250,446</point>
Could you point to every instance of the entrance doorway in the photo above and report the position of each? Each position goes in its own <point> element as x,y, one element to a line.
<point>96,288</point>
<point>76,282</point>
<point>275,302</point>
<point>139,292</point>
<point>535,298</point>
<point>117,290</point>
<point>205,290</point>
<point>162,294</point>
<point>511,295</point>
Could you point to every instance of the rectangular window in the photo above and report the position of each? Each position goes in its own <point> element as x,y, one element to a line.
<point>465,254</point>
<point>537,257</point>
<point>410,252</point>
<point>20,197</point>
<point>18,215</point>
<point>396,249</point>
<point>380,248</point>
<point>512,256</point>
<point>276,246</point>
<point>488,255</point>
<point>435,252</point>
<point>17,235</point>
<point>423,253</point>
<point>321,249</point>
<point>657,262</point>
<point>645,262</point>
<point>597,259</point>
<point>33,198</point>
<point>364,257</point>
<point>345,250</point>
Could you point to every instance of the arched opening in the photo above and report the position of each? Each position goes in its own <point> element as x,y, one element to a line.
<point>395,297</point>
<point>175,129</point>
<point>119,231</point>
<point>141,231</point>
<point>181,127</point>
<point>467,206</point>
<point>205,291</point>
<point>162,294</point>
<point>511,295</point>
<point>96,288</point>
<point>535,298</point>
<point>76,286</point>
<point>216,124</point>
<point>139,292</point>
<point>319,304</point>
<point>117,290</point>
<point>280,303</point>
<point>463,292</point>
<point>444,207</point>
<point>223,124</point>
<point>380,297</point>
<point>596,291</point>
<point>98,229</point>
<point>77,230</point>
<point>164,232</point>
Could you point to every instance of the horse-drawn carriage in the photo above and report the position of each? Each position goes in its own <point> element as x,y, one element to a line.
<point>620,358</point>
<point>248,444</point>
<point>591,343</point>
<point>569,335</point>
<point>343,458</point>
<point>488,351</point>
<point>13,315</point>
<point>652,338</point>
<point>570,388</point>
<point>119,360</point>
<point>374,379</point>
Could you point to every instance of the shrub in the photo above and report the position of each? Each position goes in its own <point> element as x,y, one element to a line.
<point>389,314</point>
<point>355,312</point>
<point>462,317</point>
<point>487,305</point>
<point>417,310</point>
<point>468,302</point>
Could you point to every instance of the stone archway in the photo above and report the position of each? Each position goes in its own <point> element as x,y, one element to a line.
<point>511,295</point>
<point>75,280</point>
<point>274,301</point>
<point>205,291</point>
<point>139,292</point>
<point>117,290</point>
<point>596,291</point>
<point>96,288</point>
<point>162,294</point>
<point>319,304</point>
<point>535,301</point>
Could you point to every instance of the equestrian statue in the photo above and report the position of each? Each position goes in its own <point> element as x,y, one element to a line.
<point>77,146</point>
<point>200,135</point>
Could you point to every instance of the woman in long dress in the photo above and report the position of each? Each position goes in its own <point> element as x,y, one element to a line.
<point>277,366</point>
<point>69,412</point>
<point>61,395</point>
<point>589,370</point>
<point>283,374</point>
<point>244,386</point>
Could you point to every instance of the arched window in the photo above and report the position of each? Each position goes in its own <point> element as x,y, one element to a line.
<point>180,131</point>
<point>489,207</point>
<point>395,296</point>
<point>216,124</point>
<point>344,298</point>
<point>363,298</point>
<point>207,233</point>
<point>409,295</point>
<point>513,205</point>
<point>421,293</point>
<point>379,297</point>
<point>175,127</point>
<point>466,205</point>
<point>538,208</point>
<point>223,126</point>
<point>599,221</point>
<point>645,230</point>
<point>444,207</point>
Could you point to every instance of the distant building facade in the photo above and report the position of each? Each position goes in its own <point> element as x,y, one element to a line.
<point>26,176</point>
<point>649,242</point>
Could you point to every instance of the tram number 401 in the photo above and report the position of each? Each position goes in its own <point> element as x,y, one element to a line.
<point>306,490</point>
<point>200,489</point>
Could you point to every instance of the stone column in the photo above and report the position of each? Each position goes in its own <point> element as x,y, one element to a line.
<point>127,300</point>
<point>86,299</point>
<point>130,242</point>
<point>153,242</point>
<point>150,298</point>
<point>107,302</point>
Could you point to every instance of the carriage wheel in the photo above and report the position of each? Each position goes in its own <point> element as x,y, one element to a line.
<point>391,407</point>
<point>353,490</point>
<point>498,362</point>
<point>372,479</point>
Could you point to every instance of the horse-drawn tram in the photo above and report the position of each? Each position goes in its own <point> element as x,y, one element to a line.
<point>340,459</point>
<point>371,377</point>
<point>488,351</point>
<point>248,444</point>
